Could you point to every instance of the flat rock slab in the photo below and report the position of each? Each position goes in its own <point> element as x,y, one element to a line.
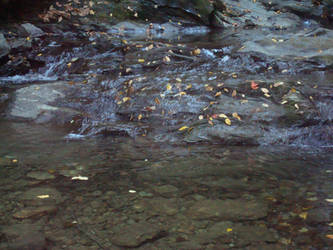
<point>41,196</point>
<point>34,212</point>
<point>34,102</point>
<point>39,175</point>
<point>232,210</point>
<point>136,234</point>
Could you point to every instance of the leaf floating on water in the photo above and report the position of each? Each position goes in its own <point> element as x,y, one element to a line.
<point>254,85</point>
<point>141,60</point>
<point>331,224</point>
<point>126,98</point>
<point>80,178</point>
<point>183,128</point>
<point>329,200</point>
<point>265,105</point>
<point>166,59</point>
<point>223,116</point>
<point>201,117</point>
<point>264,90</point>
<point>229,230</point>
<point>330,236</point>
<point>196,52</point>
<point>235,115</point>
<point>139,117</point>
<point>189,86</point>
<point>168,87</point>
<point>277,84</point>
<point>234,93</point>
<point>43,196</point>
<point>303,215</point>
<point>227,121</point>
<point>218,93</point>
<point>132,191</point>
<point>157,101</point>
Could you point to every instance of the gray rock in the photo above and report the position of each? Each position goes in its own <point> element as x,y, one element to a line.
<point>32,30</point>
<point>135,234</point>
<point>4,46</point>
<point>34,212</point>
<point>33,103</point>
<point>159,206</point>
<point>24,236</point>
<point>41,196</point>
<point>166,190</point>
<point>39,175</point>
<point>233,210</point>
<point>318,215</point>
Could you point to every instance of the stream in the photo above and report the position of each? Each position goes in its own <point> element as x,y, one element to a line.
<point>120,134</point>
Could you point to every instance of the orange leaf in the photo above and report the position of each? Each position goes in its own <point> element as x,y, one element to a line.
<point>254,85</point>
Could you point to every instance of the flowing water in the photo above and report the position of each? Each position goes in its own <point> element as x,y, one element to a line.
<point>117,182</point>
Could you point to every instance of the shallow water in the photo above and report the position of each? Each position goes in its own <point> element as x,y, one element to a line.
<point>134,182</point>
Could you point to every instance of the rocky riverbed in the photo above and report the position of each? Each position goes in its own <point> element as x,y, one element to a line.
<point>192,134</point>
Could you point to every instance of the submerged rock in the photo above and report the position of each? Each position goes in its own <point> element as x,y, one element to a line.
<point>233,210</point>
<point>136,234</point>
<point>4,46</point>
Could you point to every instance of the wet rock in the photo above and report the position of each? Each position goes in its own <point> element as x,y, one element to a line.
<point>166,190</point>
<point>24,236</point>
<point>41,196</point>
<point>253,235</point>
<point>31,30</point>
<point>318,215</point>
<point>33,103</point>
<point>220,230</point>
<point>39,175</point>
<point>233,210</point>
<point>5,162</point>
<point>161,206</point>
<point>20,45</point>
<point>3,98</point>
<point>4,46</point>
<point>34,212</point>
<point>136,234</point>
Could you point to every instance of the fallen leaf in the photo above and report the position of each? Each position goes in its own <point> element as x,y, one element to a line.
<point>229,230</point>
<point>166,59</point>
<point>196,52</point>
<point>254,85</point>
<point>235,115</point>
<point>234,93</point>
<point>329,200</point>
<point>132,191</point>
<point>43,196</point>
<point>218,93</point>
<point>277,84</point>
<point>80,178</point>
<point>223,116</point>
<point>303,215</point>
<point>168,87</point>
<point>157,101</point>
<point>183,128</point>
<point>201,117</point>
<point>264,90</point>
<point>227,121</point>
<point>141,60</point>
<point>330,236</point>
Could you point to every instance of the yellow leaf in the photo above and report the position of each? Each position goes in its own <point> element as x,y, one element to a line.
<point>229,230</point>
<point>183,128</point>
<point>201,117</point>
<point>43,196</point>
<point>235,115</point>
<point>139,117</point>
<point>218,93</point>
<point>329,200</point>
<point>234,93</point>
<point>223,116</point>
<point>303,215</point>
<point>189,86</point>
<point>166,59</point>
<point>196,52</point>
<point>141,60</point>
<point>125,99</point>
<point>178,79</point>
<point>40,54</point>
<point>227,121</point>
<point>168,87</point>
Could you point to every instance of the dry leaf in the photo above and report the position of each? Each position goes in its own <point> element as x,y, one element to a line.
<point>235,115</point>
<point>227,121</point>
<point>254,85</point>
<point>201,117</point>
<point>330,236</point>
<point>141,60</point>
<point>80,178</point>
<point>183,128</point>
<point>43,196</point>
<point>196,52</point>
<point>223,116</point>
<point>168,87</point>
<point>234,93</point>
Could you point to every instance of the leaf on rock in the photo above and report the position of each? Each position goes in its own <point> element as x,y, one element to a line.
<point>254,85</point>
<point>183,128</point>
<point>235,115</point>
<point>227,121</point>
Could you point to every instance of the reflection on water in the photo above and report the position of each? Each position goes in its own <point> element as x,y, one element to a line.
<point>110,193</point>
